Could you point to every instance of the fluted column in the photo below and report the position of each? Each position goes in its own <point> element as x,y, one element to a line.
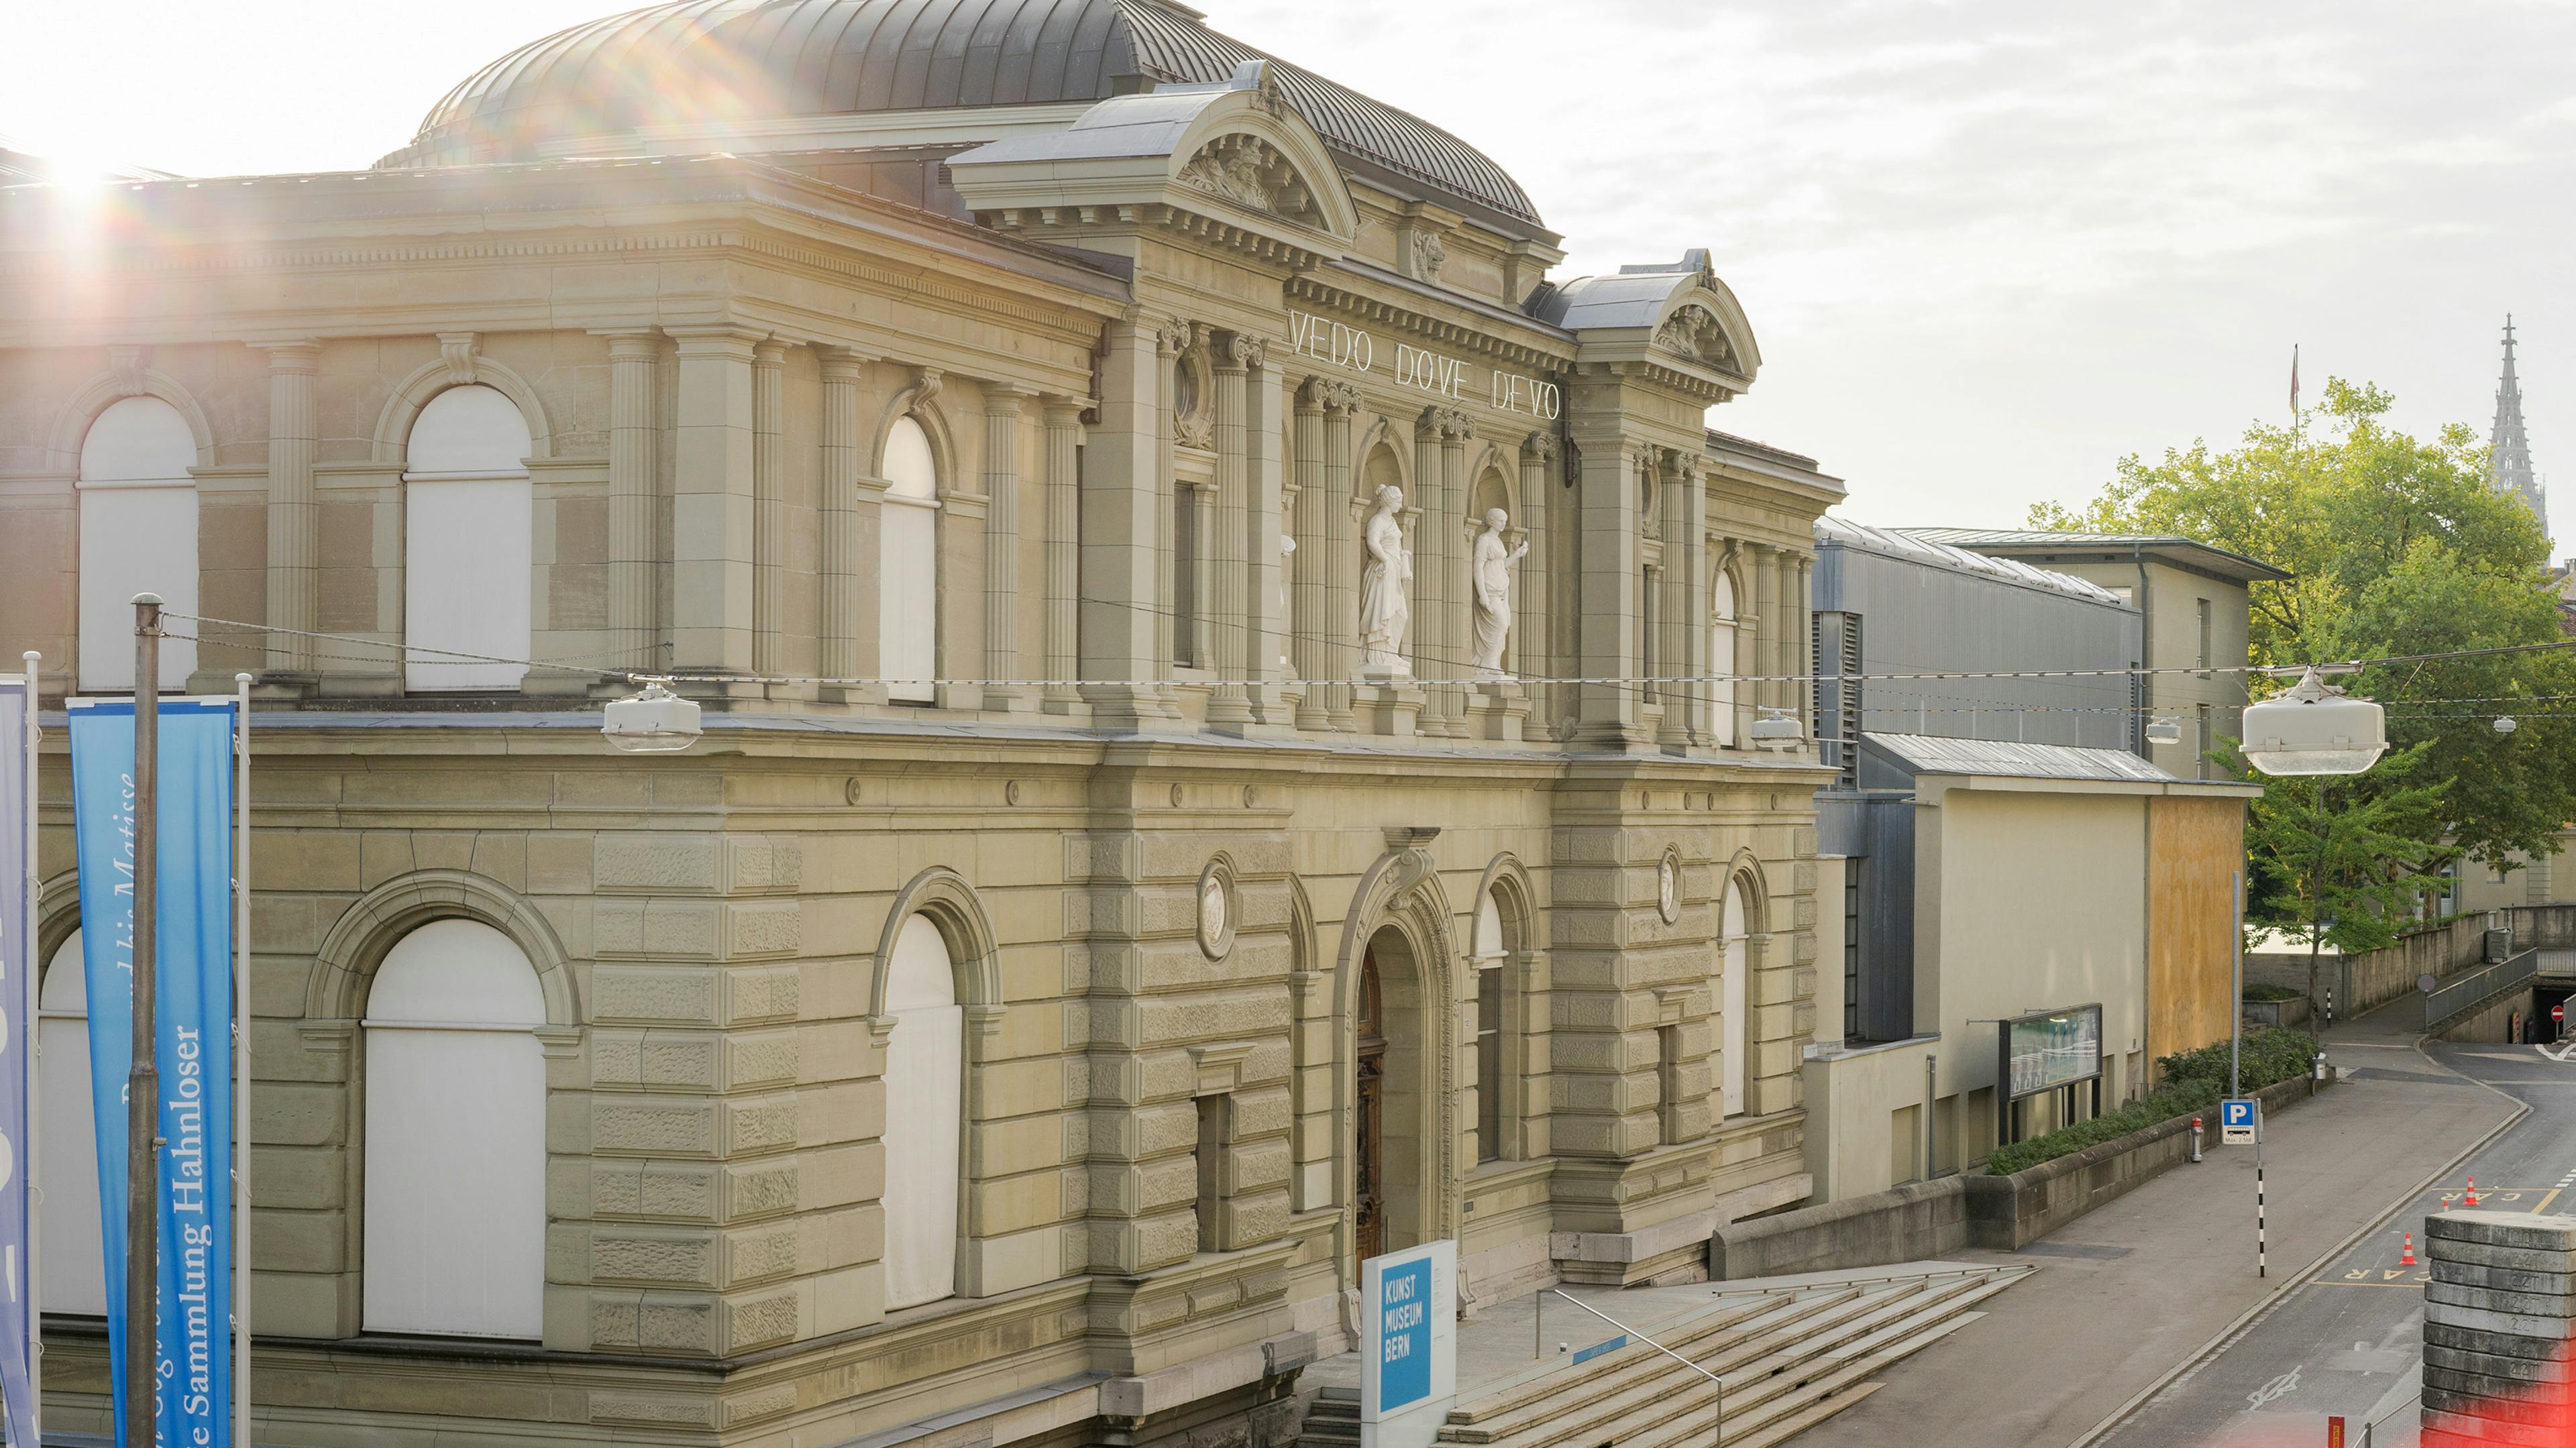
<point>1431,659</point>
<point>1340,512</point>
<point>1063,551</point>
<point>769,507</point>
<point>1531,657</point>
<point>1802,640</point>
<point>1312,615</point>
<point>848,627</point>
<point>1263,523</point>
<point>634,445</point>
<point>1004,412</point>
<point>1456,533</point>
<point>1691,589</point>
<point>293,519</point>
<point>1672,652</point>
<point>1170,341</point>
<point>1221,547</point>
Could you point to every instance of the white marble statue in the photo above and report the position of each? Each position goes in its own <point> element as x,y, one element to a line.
<point>1491,570</point>
<point>1386,582</point>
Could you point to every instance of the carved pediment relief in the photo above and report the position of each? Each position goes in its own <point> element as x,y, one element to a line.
<point>1253,174</point>
<point>1695,333</point>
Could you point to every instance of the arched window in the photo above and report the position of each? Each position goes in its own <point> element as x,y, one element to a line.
<point>455,1225</point>
<point>468,545</point>
<point>1722,659</point>
<point>138,534</point>
<point>925,1073</point>
<point>1493,1062</point>
<point>908,565</point>
<point>67,1135</point>
<point>1735,1022</point>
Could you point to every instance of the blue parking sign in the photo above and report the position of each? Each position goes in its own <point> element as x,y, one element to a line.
<point>2239,1117</point>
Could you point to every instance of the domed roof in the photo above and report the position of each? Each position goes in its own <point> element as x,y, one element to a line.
<point>698,62</point>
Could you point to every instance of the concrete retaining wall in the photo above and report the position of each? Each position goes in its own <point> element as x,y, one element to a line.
<point>1932,1219</point>
<point>2488,1022</point>
<point>2499,1317</point>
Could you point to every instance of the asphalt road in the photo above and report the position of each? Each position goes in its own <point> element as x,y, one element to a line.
<point>2348,1340</point>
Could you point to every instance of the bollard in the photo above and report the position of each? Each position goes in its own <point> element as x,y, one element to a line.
<point>2195,1138</point>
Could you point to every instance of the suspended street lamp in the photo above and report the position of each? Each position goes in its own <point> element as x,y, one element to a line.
<point>2506,724</point>
<point>2315,728</point>
<point>656,721</point>
<point>1777,729</point>
<point>2161,730</point>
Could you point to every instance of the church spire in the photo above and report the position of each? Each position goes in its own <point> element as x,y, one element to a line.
<point>2512,450</point>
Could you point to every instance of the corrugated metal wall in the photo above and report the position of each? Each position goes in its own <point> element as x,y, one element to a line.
<point>1917,617</point>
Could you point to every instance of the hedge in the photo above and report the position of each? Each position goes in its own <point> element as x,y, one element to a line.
<point>2193,1082</point>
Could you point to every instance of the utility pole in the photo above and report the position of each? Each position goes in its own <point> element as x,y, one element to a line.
<point>2236,983</point>
<point>143,1080</point>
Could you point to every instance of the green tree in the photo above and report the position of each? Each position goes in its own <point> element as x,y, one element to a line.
<point>2344,873</point>
<point>2396,546</point>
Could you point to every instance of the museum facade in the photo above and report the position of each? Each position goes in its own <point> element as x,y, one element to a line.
<point>1246,726</point>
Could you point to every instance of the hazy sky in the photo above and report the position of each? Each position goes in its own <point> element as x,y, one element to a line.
<point>1986,247</point>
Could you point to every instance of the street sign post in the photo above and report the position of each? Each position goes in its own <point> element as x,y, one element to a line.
<point>2238,1120</point>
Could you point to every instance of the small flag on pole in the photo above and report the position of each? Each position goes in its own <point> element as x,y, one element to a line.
<point>2294,379</point>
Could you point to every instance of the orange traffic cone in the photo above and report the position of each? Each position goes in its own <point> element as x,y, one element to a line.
<point>2471,1199</point>
<point>2408,1260</point>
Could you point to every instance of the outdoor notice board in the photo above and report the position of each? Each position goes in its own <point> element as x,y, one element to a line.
<point>2056,1048</point>
<point>1408,1344</point>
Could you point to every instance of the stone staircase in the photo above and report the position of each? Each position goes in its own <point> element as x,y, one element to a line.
<point>1788,1359</point>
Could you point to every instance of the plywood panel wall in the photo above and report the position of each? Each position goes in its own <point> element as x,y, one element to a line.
<point>2194,847</point>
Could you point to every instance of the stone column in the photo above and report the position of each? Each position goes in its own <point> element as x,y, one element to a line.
<point>1063,551</point>
<point>1311,595</point>
<point>850,510</point>
<point>1672,650</point>
<point>1340,511</point>
<point>1530,655</point>
<point>712,503</point>
<point>769,537</point>
<point>1457,532</point>
<point>634,448</point>
<point>1223,606</point>
<point>1118,629</point>
<point>294,541</point>
<point>1802,639</point>
<point>1170,343</point>
<point>1695,580</point>
<point>1607,555</point>
<point>1763,573</point>
<point>1428,645</point>
<point>1003,414</point>
<point>1264,521</point>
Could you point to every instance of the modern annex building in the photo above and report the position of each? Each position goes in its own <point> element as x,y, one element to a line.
<point>1133,869</point>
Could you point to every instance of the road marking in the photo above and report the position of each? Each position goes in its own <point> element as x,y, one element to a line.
<point>2280,1387</point>
<point>2543,1208</point>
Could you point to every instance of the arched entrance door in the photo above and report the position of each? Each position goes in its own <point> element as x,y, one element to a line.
<point>1368,1163</point>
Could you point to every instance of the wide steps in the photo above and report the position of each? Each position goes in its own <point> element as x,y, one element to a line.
<point>1757,1371</point>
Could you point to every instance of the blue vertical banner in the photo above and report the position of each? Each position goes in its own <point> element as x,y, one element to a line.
<point>17,1038</point>
<point>194,999</point>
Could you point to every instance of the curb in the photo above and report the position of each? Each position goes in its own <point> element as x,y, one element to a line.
<point>2246,1319</point>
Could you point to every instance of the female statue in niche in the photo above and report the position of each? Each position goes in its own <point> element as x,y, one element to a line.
<point>1385,604</point>
<point>1491,571</point>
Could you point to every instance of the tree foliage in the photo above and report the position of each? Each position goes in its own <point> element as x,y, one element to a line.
<point>2357,868</point>
<point>2396,546</point>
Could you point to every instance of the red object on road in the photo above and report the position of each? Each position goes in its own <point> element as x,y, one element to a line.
<point>2408,1260</point>
<point>2334,1431</point>
<point>2471,1199</point>
<point>2558,1013</point>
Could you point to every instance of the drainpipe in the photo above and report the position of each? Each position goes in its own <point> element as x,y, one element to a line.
<point>2146,650</point>
<point>1930,1090</point>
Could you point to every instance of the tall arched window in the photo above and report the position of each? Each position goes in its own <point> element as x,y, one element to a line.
<point>468,543</point>
<point>67,1135</point>
<point>1722,659</point>
<point>1493,1061</point>
<point>138,534</point>
<point>908,565</point>
<point>1735,1022</point>
<point>455,1225</point>
<point>925,1074</point>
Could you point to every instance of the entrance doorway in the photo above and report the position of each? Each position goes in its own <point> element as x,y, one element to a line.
<point>1368,1161</point>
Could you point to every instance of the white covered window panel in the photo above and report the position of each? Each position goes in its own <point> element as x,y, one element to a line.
<point>468,546</point>
<point>908,565</point>
<point>455,1223</point>
<point>1736,1021</point>
<point>138,534</point>
<point>1722,663</point>
<point>67,1140</point>
<point>925,1078</point>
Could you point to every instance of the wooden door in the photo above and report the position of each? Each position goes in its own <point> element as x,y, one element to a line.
<point>1367,1184</point>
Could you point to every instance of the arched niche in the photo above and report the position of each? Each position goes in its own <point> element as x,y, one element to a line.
<point>1727,642</point>
<point>908,569</point>
<point>138,534</point>
<point>1740,909</point>
<point>469,542</point>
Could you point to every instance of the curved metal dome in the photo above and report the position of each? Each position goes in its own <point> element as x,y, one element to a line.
<point>714,61</point>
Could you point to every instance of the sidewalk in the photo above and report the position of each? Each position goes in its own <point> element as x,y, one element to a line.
<point>2130,1291</point>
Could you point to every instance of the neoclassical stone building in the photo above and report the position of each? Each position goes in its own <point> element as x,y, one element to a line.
<point>1068,951</point>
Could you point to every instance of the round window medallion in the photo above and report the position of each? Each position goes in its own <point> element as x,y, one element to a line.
<point>1011,792</point>
<point>1668,888</point>
<point>1216,909</point>
<point>1176,796</point>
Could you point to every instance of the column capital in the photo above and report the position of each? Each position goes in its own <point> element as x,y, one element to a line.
<point>1173,335</point>
<point>731,342</point>
<point>1540,447</point>
<point>302,355</point>
<point>1005,390</point>
<point>843,364</point>
<point>1242,352</point>
<point>1456,426</point>
<point>630,343</point>
<point>769,351</point>
<point>1065,411</point>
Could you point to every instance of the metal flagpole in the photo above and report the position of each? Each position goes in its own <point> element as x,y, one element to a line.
<point>143,1081</point>
<point>241,1061</point>
<point>34,1146</point>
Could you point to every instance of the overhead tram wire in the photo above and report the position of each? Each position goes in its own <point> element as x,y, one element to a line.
<point>1203,680</point>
